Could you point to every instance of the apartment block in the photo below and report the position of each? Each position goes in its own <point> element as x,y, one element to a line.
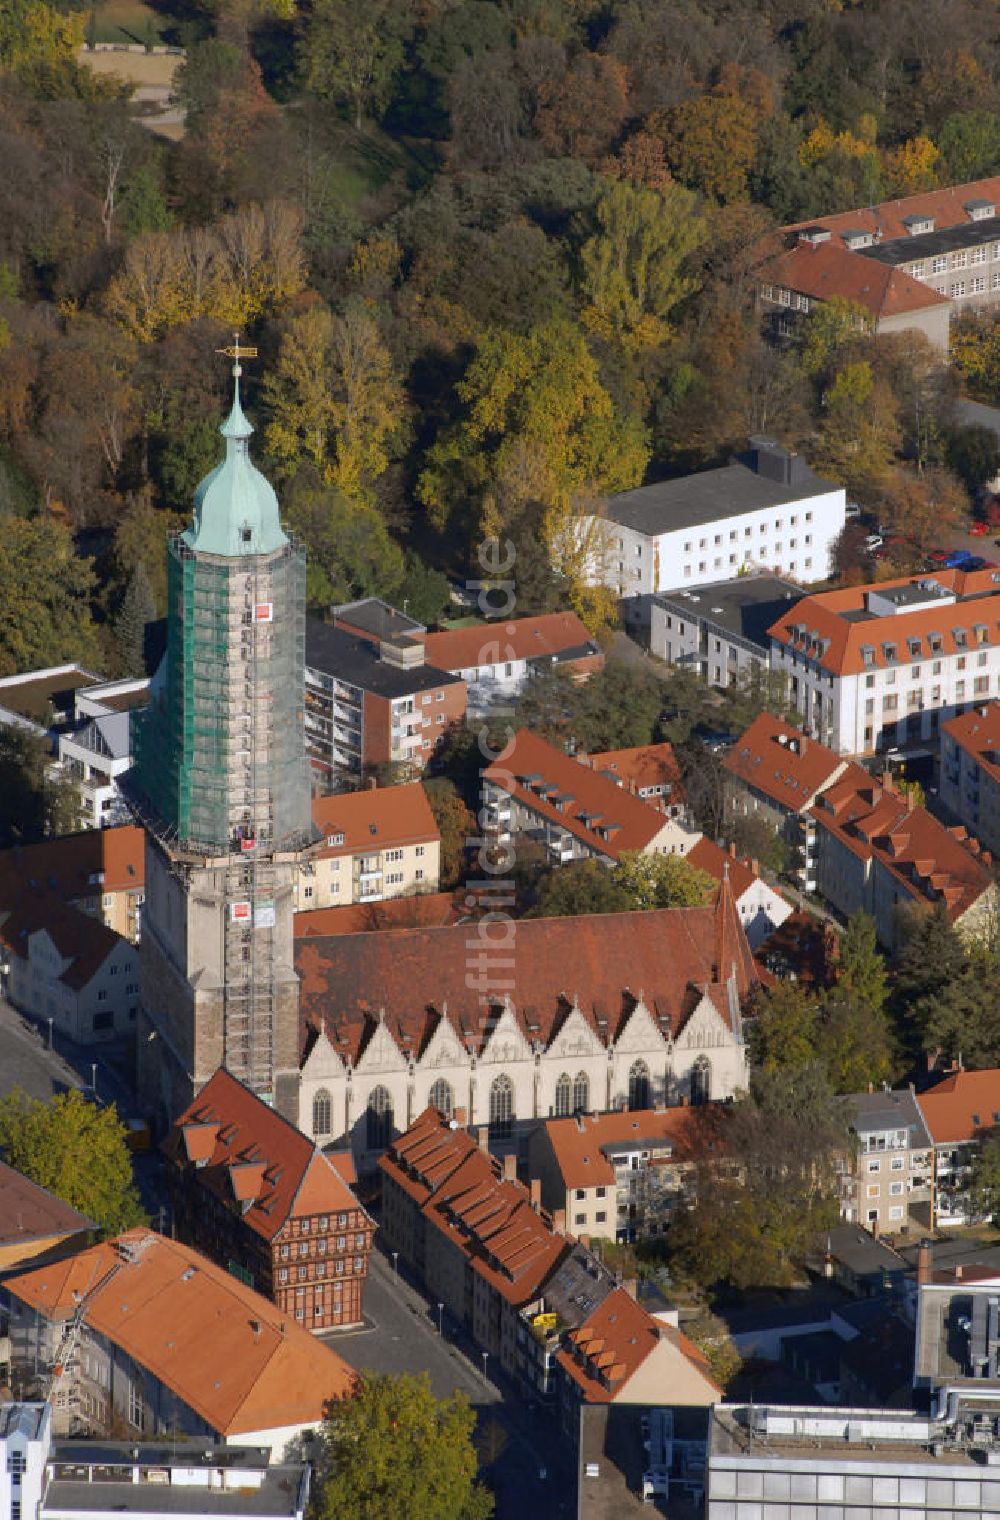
<point>892,1170</point>
<point>648,771</point>
<point>379,843</point>
<point>97,752</point>
<point>957,1112</point>
<point>874,668</point>
<point>720,630</point>
<point>101,872</point>
<point>969,784</point>
<point>368,706</point>
<point>576,812</point>
<point>766,510</point>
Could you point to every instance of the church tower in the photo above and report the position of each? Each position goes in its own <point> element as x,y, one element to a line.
<point>220,780</point>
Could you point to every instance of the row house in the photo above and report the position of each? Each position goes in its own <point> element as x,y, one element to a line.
<point>874,668</point>
<point>969,782</point>
<point>618,1176</point>
<point>144,1334</point>
<point>877,853</point>
<point>252,1192</point>
<point>371,706</point>
<point>631,1009</point>
<point>378,843</point>
<point>528,1293</point>
<point>766,510</point>
<point>890,1173</point>
<point>574,810</point>
<point>775,773</point>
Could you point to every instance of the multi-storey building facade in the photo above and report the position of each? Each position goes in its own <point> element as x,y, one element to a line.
<point>249,1190</point>
<point>574,810</point>
<point>720,630</point>
<point>634,1009</point>
<point>373,704</point>
<point>969,783</point>
<point>101,872</point>
<point>768,512</point>
<point>892,1169</point>
<point>222,783</point>
<point>379,843</point>
<point>873,668</point>
<point>878,853</point>
<point>957,1112</point>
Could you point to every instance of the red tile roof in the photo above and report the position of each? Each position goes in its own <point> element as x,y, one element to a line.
<point>426,910</point>
<point>946,207</point>
<point>225,1351</point>
<point>778,761</point>
<point>580,1144</point>
<point>709,857</point>
<point>249,1152</point>
<point>977,732</point>
<point>604,963</point>
<point>29,1213</point>
<point>575,798</point>
<point>644,766</point>
<point>529,638</point>
<point>931,863</point>
<point>609,1348</point>
<point>79,938</point>
<point>377,818</point>
<point>457,1187</point>
<point>961,1106</point>
<point>823,270</point>
<point>835,635</point>
<point>79,865</point>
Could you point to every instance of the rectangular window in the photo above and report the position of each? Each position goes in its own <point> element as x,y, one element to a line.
<point>939,264</point>
<point>977,286</point>
<point>977,256</point>
<point>959,260</point>
<point>956,288</point>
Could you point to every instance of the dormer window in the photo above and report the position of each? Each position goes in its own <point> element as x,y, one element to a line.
<point>981,633</point>
<point>959,635</point>
<point>978,211</point>
<point>889,650</point>
<point>868,655</point>
<point>916,225</point>
<point>333,840</point>
<point>857,237</point>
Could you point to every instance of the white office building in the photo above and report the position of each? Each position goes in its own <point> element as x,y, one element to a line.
<point>25,1436</point>
<point>765,511</point>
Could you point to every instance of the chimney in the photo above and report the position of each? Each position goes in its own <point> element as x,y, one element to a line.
<point>732,851</point>
<point>373,783</point>
<point>684,1102</point>
<point>631,1286</point>
<point>460,1118</point>
<point>755,867</point>
<point>510,1169</point>
<point>559,1221</point>
<point>925,1261</point>
<point>484,1139</point>
<point>876,1229</point>
<point>958,1272</point>
<point>535,1193</point>
<point>585,1242</point>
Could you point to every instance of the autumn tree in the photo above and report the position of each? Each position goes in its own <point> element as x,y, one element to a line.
<point>663,881</point>
<point>710,142</point>
<point>636,267</point>
<point>457,827</point>
<point>923,507</point>
<point>859,432</point>
<point>395,1451</point>
<point>580,886</point>
<point>76,1150</point>
<point>783,1032</point>
<point>581,113</point>
<point>969,144</point>
<point>349,551</point>
<point>354,54</point>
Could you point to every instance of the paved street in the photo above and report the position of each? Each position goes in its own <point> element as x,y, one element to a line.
<point>25,1061</point>
<point>515,1441</point>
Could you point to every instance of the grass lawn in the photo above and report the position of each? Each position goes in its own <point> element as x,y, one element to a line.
<point>127,21</point>
<point>138,68</point>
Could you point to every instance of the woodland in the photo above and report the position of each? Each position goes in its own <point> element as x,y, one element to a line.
<point>498,258</point>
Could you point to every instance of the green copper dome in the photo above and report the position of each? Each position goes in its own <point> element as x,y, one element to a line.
<point>235,508</point>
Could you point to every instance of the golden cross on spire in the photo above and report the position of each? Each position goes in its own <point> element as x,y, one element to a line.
<point>236,352</point>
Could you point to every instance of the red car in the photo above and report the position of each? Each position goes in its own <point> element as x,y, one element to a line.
<point>938,556</point>
<point>978,529</point>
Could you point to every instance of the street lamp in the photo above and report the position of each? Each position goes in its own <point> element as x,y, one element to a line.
<point>395,1265</point>
<point>485,1355</point>
<point>51,1022</point>
<point>93,1078</point>
<point>440,1321</point>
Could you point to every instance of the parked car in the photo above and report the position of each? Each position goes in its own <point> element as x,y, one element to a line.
<point>958,559</point>
<point>872,542</point>
<point>938,556</point>
<point>978,529</point>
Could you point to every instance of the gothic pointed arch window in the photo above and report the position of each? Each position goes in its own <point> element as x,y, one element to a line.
<point>701,1080</point>
<point>379,1118</point>
<point>564,1096</point>
<point>581,1093</point>
<point>322,1113</point>
<point>501,1105</point>
<point>442,1097</point>
<point>638,1085</point>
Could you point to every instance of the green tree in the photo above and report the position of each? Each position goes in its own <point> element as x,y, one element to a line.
<point>457,827</point>
<point>616,708</point>
<point>582,886</point>
<point>969,143</point>
<point>137,610</point>
<point>860,964</point>
<point>425,592</point>
<point>350,552</point>
<point>784,1032</point>
<point>854,1042</point>
<point>663,881</point>
<point>45,596</point>
<point>394,1451</point>
<point>36,802</point>
<point>830,327</point>
<point>636,267</point>
<point>974,454</point>
<point>353,54</point>
<point>76,1150</point>
<point>984,1183</point>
